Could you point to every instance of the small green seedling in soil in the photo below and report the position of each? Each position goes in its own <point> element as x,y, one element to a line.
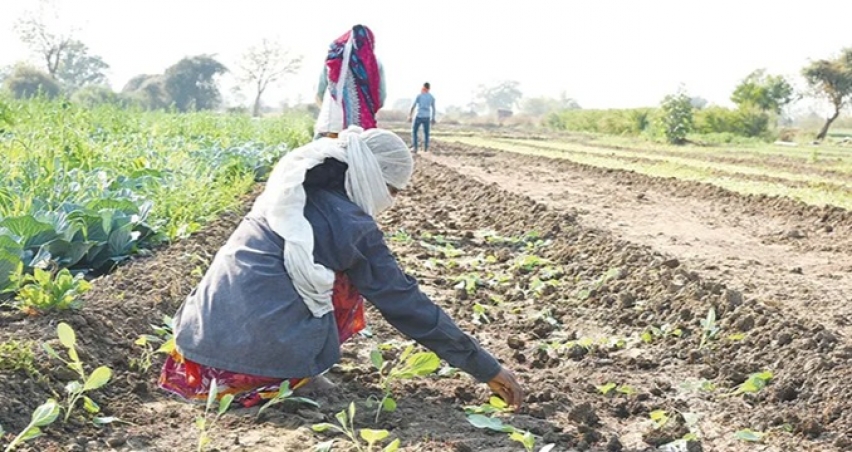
<point>495,405</point>
<point>43,291</point>
<point>204,424</point>
<point>750,436</point>
<point>709,328</point>
<point>539,286</point>
<point>528,441</point>
<point>401,236</point>
<point>146,359</point>
<point>489,423</point>
<point>660,418</point>
<point>43,416</point>
<point>662,332</point>
<point>480,314</point>
<point>163,335</point>
<point>346,426</point>
<point>621,389</point>
<point>77,389</point>
<point>547,316</point>
<point>525,438</point>
<point>285,394</point>
<point>469,283</point>
<point>611,274</point>
<point>607,388</point>
<point>407,366</point>
<point>494,424</point>
<point>754,383</point>
<point>531,262</point>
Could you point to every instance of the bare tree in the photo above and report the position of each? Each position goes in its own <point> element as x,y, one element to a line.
<point>265,64</point>
<point>42,32</point>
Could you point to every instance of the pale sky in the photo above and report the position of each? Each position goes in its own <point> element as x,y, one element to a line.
<point>604,53</point>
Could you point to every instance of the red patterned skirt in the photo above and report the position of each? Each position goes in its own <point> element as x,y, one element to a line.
<point>191,380</point>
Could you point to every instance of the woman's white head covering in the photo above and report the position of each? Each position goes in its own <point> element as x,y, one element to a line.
<point>375,158</point>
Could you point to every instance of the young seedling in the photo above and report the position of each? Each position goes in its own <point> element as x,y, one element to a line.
<point>611,274</point>
<point>43,416</point>
<point>662,332</point>
<point>407,366</point>
<point>660,418</point>
<point>538,286</point>
<point>750,436</point>
<point>494,424</point>
<point>495,405</point>
<point>530,262</point>
<point>607,388</point>
<point>77,389</point>
<point>621,389</point>
<point>489,423</point>
<point>525,438</point>
<point>469,283</point>
<point>346,426</point>
<point>285,394</point>
<point>204,424</point>
<point>163,336</point>
<point>401,236</point>
<point>547,316</point>
<point>480,314</point>
<point>754,384</point>
<point>146,359</point>
<point>709,328</point>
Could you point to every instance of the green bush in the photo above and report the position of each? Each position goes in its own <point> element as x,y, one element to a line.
<point>42,291</point>
<point>676,119</point>
<point>745,121</point>
<point>721,124</point>
<point>613,122</point>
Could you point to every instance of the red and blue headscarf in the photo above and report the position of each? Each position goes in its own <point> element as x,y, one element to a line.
<point>360,107</point>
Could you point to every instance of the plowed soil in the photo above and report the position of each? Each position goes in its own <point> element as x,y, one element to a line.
<point>547,286</point>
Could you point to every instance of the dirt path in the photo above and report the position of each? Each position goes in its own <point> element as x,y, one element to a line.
<point>774,257</point>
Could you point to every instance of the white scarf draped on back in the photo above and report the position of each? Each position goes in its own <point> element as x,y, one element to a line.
<point>282,203</point>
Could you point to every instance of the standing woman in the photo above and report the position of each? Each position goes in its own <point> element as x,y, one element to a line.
<point>352,87</point>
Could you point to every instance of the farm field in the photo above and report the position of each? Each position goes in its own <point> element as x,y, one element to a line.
<point>813,175</point>
<point>592,282</point>
<point>650,230</point>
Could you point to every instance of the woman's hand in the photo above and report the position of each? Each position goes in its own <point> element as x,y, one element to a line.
<point>507,387</point>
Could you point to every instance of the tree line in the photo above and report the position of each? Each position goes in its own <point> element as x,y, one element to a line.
<point>68,68</point>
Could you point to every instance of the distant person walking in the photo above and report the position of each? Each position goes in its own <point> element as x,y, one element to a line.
<point>425,106</point>
<point>352,85</point>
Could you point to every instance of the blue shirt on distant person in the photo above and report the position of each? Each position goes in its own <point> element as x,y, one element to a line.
<point>425,105</point>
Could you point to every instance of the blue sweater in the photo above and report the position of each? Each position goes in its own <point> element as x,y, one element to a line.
<point>425,105</point>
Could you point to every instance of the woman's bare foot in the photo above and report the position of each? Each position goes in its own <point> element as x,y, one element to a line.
<point>316,384</point>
